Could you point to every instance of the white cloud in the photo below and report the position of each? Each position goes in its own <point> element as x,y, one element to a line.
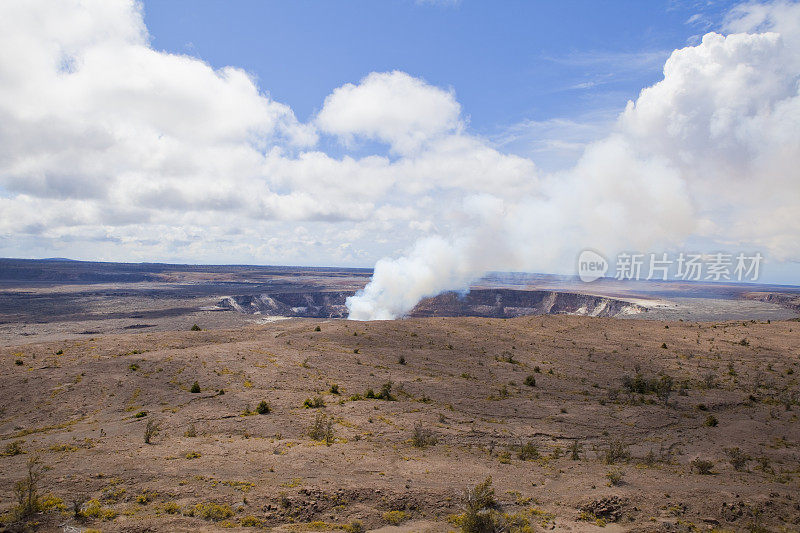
<point>391,107</point>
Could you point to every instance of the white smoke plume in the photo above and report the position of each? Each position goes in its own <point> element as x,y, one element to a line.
<point>710,152</point>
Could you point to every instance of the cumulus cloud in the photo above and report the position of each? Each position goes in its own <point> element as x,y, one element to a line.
<point>392,107</point>
<point>711,150</point>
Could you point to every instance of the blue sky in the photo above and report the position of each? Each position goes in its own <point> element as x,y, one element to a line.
<point>524,61</point>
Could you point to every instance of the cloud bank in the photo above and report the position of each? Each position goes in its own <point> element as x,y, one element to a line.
<point>111,149</point>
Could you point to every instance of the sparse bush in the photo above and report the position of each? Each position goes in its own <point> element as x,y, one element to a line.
<point>642,385</point>
<point>195,327</point>
<point>527,451</point>
<point>13,448</point>
<point>212,511</point>
<point>140,414</point>
<point>664,345</point>
<point>322,429</point>
<point>193,455</point>
<point>251,521</point>
<point>19,362</point>
<point>703,466</point>
<point>94,509</point>
<point>401,361</point>
<point>530,380</point>
<point>386,392</point>
<point>334,389</point>
<point>145,497</point>
<point>664,388</point>
<point>615,476</point>
<point>317,328</point>
<point>354,527</point>
<point>171,508</point>
<point>191,432</point>
<point>150,431</point>
<point>133,367</point>
<point>710,380</point>
<point>26,491</point>
<point>77,504</point>
<point>195,387</point>
<point>737,458</point>
<point>423,436</point>
<point>575,450</point>
<point>314,403</point>
<point>616,451</point>
<point>394,517</point>
<point>263,408</point>
<point>711,421</point>
<point>764,465</point>
<point>480,514</point>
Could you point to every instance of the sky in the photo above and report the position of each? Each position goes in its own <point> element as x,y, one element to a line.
<point>435,140</point>
<point>522,73</point>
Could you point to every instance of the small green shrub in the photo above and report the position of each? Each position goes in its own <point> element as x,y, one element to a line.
<point>322,429</point>
<point>737,458</point>
<point>354,527</point>
<point>423,436</point>
<point>212,511</point>
<point>703,466</point>
<point>614,477</point>
<point>94,509</point>
<point>26,492</point>
<point>394,517</point>
<point>251,521</point>
<point>527,451</point>
<point>480,514</point>
<point>386,392</point>
<point>616,451</point>
<point>150,430</point>
<point>711,421</point>
<point>334,389</point>
<point>195,327</point>
<point>171,508</point>
<point>314,403</point>
<point>575,450</point>
<point>13,448</point>
<point>195,388</point>
<point>530,380</point>
<point>263,408</point>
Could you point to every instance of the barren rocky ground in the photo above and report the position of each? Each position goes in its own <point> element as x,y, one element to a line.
<point>566,414</point>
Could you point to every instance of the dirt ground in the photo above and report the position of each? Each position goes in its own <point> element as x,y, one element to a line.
<point>558,410</point>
